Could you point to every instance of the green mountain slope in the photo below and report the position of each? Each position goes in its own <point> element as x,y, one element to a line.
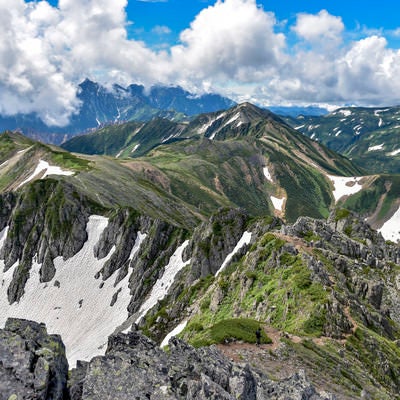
<point>368,136</point>
<point>251,204</point>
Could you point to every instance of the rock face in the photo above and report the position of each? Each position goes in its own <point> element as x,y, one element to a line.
<point>33,366</point>
<point>32,363</point>
<point>134,367</point>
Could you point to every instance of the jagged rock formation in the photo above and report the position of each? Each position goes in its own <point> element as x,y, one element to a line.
<point>32,363</point>
<point>33,366</point>
<point>135,367</point>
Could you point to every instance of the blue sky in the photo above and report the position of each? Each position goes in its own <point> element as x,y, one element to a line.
<point>293,52</point>
<point>358,17</point>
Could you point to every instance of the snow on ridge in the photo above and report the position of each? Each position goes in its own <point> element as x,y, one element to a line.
<point>278,203</point>
<point>48,170</point>
<point>244,240</point>
<point>204,128</point>
<point>233,119</point>
<point>299,127</point>
<point>344,185</point>
<point>160,288</point>
<point>346,113</point>
<point>390,229</point>
<point>74,304</point>
<point>267,174</point>
<point>135,148</point>
<point>377,147</point>
<point>377,112</point>
<point>176,331</point>
<point>393,153</point>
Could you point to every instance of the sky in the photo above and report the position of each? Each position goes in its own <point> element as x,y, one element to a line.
<point>295,52</point>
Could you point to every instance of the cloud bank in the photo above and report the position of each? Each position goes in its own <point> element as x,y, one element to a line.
<point>234,47</point>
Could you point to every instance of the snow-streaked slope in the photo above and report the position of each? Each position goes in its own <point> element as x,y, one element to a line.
<point>244,240</point>
<point>44,168</point>
<point>161,287</point>
<point>344,186</point>
<point>74,304</point>
<point>391,228</point>
<point>176,331</point>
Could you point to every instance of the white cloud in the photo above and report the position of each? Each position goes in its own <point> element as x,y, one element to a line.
<point>244,47</point>
<point>232,46</point>
<point>319,28</point>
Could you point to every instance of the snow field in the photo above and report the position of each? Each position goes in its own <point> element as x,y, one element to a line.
<point>74,304</point>
<point>344,186</point>
<point>391,228</point>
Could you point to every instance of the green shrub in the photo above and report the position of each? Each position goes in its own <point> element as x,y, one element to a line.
<point>237,329</point>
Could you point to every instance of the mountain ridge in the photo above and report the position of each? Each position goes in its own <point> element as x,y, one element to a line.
<point>228,223</point>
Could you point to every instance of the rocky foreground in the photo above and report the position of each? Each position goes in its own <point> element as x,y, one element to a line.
<point>33,366</point>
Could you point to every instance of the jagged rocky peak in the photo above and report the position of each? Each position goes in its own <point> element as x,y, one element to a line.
<point>33,365</point>
<point>32,362</point>
<point>181,373</point>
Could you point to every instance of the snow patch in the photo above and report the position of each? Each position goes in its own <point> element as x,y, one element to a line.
<point>233,119</point>
<point>377,147</point>
<point>267,174</point>
<point>118,155</point>
<point>346,113</point>
<point>3,235</point>
<point>176,331</point>
<point>135,148</point>
<point>74,304</point>
<point>338,132</point>
<point>278,203</point>
<point>44,166</point>
<point>391,228</point>
<point>244,240</point>
<point>380,123</point>
<point>344,186</point>
<point>4,163</point>
<point>394,153</point>
<point>204,128</point>
<point>299,127</point>
<point>161,287</point>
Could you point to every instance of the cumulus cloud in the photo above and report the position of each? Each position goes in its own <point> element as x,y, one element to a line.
<point>46,51</point>
<point>244,47</point>
<point>322,28</point>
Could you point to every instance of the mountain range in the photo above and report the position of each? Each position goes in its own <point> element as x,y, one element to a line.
<point>204,229</point>
<point>102,105</point>
<point>368,136</point>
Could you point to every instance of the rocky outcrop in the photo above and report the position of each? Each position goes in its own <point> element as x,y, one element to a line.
<point>32,363</point>
<point>48,220</point>
<point>135,367</point>
<point>214,240</point>
<point>33,366</point>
